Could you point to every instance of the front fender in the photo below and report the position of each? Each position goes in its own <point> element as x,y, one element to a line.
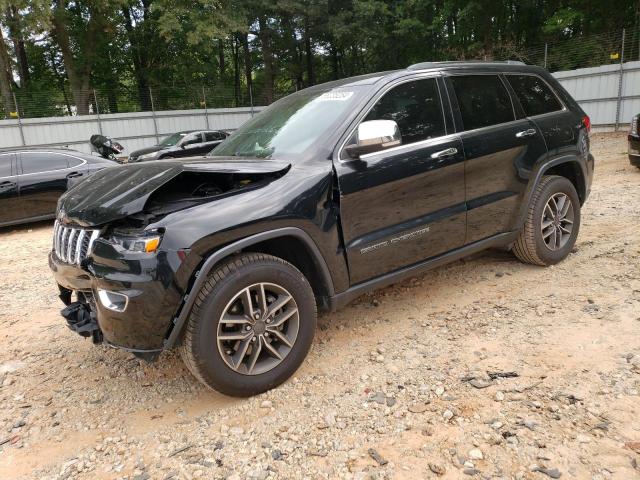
<point>215,258</point>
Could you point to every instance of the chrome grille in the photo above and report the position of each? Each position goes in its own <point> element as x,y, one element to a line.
<point>72,245</point>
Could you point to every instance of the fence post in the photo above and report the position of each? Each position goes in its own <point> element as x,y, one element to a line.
<point>15,103</point>
<point>251,99</point>
<point>95,99</point>
<point>206,112</point>
<point>546,51</point>
<point>619,103</point>
<point>153,115</point>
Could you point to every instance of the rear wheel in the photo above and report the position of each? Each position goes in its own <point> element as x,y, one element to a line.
<point>251,327</point>
<point>552,224</point>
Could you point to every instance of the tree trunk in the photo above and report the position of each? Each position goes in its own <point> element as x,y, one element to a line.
<point>235,45</point>
<point>139,56</point>
<point>79,78</point>
<point>247,64</point>
<point>5,79</point>
<point>311,77</point>
<point>335,73</point>
<point>221,58</point>
<point>267,58</point>
<point>17,37</point>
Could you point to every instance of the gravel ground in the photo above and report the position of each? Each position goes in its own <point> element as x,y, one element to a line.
<point>485,368</point>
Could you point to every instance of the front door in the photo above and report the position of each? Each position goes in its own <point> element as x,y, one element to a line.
<point>190,146</point>
<point>403,205</point>
<point>500,147</point>
<point>9,203</point>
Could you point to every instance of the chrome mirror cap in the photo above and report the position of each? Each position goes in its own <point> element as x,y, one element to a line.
<point>375,135</point>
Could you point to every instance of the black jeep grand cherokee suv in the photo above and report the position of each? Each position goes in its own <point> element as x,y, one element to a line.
<point>329,193</point>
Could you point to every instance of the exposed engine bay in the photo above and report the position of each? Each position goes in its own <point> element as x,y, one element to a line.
<point>191,188</point>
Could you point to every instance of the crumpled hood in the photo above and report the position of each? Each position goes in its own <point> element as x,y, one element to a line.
<point>117,192</point>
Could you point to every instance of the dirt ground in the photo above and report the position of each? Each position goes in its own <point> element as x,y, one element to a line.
<point>396,386</point>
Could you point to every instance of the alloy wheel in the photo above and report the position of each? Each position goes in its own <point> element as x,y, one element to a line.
<point>557,221</point>
<point>258,328</point>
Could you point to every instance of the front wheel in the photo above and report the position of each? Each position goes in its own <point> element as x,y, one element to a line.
<point>552,223</point>
<point>251,326</point>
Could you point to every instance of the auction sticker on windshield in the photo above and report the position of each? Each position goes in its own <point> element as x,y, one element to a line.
<point>336,95</point>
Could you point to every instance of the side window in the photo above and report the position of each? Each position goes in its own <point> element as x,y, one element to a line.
<point>213,136</point>
<point>534,95</point>
<point>415,107</point>
<point>74,162</point>
<point>192,139</point>
<point>483,100</point>
<point>36,162</point>
<point>5,165</point>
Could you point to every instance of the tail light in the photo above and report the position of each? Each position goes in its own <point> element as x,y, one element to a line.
<point>586,121</point>
<point>635,127</point>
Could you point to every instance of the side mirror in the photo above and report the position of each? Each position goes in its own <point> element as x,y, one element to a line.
<point>373,136</point>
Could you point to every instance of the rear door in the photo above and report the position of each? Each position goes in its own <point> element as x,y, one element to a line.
<point>42,178</point>
<point>10,210</point>
<point>405,204</point>
<point>560,126</point>
<point>500,145</point>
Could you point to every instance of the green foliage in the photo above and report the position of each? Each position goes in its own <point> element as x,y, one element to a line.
<point>62,55</point>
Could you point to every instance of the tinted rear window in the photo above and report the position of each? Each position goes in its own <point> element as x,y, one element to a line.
<point>534,94</point>
<point>483,100</point>
<point>213,136</point>
<point>42,162</point>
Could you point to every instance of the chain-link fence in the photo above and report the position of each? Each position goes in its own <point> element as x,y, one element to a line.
<point>122,99</point>
<point>578,52</point>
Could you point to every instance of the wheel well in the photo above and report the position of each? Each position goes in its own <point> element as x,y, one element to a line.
<point>296,252</point>
<point>573,172</point>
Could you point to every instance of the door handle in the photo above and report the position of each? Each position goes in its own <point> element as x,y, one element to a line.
<point>75,174</point>
<point>444,153</point>
<point>7,185</point>
<point>527,133</point>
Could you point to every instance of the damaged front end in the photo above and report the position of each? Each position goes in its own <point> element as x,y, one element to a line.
<point>115,254</point>
<point>82,319</point>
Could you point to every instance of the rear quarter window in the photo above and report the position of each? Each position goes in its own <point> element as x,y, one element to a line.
<point>483,100</point>
<point>535,96</point>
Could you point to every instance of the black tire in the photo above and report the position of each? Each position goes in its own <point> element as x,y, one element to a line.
<point>530,246</point>
<point>199,348</point>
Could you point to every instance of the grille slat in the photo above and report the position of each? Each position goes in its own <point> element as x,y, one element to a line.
<point>72,245</point>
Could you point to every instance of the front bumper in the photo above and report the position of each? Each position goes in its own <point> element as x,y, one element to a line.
<point>634,150</point>
<point>147,281</point>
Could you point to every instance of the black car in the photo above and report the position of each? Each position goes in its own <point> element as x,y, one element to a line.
<point>634,142</point>
<point>32,180</point>
<point>189,143</point>
<point>331,192</point>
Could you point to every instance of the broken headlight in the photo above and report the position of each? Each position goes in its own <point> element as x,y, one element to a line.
<point>147,242</point>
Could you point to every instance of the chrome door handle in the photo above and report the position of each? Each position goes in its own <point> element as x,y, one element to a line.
<point>527,133</point>
<point>444,153</point>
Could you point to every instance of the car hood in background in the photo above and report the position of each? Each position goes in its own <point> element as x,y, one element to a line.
<point>117,192</point>
<point>143,151</point>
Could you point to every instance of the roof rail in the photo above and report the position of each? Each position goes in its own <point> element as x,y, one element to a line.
<point>425,65</point>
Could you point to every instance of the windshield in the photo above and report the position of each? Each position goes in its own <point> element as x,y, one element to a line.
<point>171,140</point>
<point>289,126</point>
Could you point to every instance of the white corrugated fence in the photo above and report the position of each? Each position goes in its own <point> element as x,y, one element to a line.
<point>610,94</point>
<point>132,130</point>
